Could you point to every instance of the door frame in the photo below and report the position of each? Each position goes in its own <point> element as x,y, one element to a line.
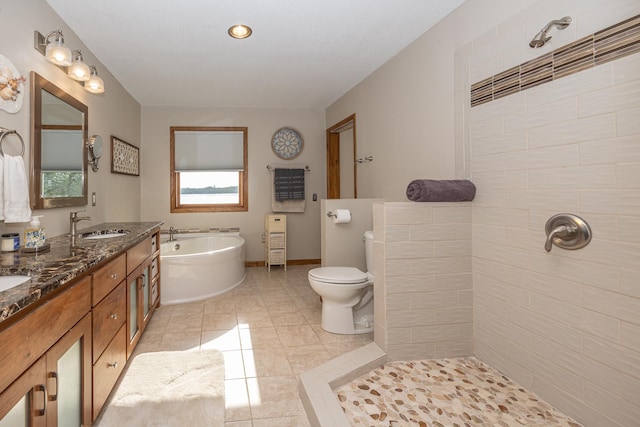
<point>333,157</point>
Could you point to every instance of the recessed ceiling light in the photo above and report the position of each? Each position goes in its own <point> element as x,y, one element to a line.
<point>240,31</point>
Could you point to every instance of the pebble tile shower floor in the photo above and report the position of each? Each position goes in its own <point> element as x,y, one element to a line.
<point>460,392</point>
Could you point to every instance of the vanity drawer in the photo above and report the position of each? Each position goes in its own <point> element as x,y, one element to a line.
<point>137,254</point>
<point>108,368</point>
<point>107,278</point>
<point>108,317</point>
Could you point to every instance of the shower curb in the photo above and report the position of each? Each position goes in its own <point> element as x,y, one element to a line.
<point>316,385</point>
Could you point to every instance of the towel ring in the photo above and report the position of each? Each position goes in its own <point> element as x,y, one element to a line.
<point>4,132</point>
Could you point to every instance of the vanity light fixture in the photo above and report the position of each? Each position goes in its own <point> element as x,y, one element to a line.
<point>78,70</point>
<point>95,84</point>
<point>240,31</point>
<point>54,50</point>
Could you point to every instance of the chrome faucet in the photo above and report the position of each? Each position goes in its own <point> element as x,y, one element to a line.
<point>73,221</point>
<point>171,233</point>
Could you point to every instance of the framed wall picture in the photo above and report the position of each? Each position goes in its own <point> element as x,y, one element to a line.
<point>125,158</point>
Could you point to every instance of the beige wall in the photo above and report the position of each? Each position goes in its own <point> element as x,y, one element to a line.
<point>565,324</point>
<point>343,244</point>
<point>404,109</point>
<point>114,112</point>
<point>303,229</point>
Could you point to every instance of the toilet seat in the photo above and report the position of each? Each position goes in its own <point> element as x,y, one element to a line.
<point>338,275</point>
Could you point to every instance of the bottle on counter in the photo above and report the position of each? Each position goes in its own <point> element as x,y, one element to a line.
<point>34,234</point>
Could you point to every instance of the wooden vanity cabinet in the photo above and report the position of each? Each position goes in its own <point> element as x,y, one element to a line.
<point>62,360</point>
<point>52,363</point>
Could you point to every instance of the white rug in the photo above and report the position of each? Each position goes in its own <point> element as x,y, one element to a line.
<point>169,389</point>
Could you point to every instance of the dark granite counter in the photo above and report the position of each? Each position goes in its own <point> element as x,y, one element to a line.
<point>52,269</point>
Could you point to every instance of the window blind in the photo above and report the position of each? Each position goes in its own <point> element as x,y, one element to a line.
<point>61,150</point>
<point>209,151</point>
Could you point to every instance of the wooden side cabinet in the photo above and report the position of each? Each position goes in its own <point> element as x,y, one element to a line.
<point>275,241</point>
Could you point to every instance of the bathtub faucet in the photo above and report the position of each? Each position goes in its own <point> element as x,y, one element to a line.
<point>171,232</point>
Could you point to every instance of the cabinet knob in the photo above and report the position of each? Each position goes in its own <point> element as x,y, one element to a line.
<point>114,276</point>
<point>112,364</point>
<point>113,316</point>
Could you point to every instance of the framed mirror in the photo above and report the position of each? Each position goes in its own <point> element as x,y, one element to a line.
<point>58,147</point>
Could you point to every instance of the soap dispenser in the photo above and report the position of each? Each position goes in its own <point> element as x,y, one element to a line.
<point>34,234</point>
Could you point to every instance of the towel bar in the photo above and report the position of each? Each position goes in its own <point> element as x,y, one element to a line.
<point>306,168</point>
<point>4,132</point>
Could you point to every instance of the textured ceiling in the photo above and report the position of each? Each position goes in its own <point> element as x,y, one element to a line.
<point>303,53</point>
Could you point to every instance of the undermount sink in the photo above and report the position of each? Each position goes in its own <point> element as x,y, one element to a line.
<point>8,282</point>
<point>104,234</point>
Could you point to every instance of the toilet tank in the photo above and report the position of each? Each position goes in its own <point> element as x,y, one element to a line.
<point>368,250</point>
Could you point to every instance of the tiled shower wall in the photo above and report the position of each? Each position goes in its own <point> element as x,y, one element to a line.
<point>565,324</point>
<point>422,266</point>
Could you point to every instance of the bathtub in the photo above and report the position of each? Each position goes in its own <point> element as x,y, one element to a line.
<point>198,266</point>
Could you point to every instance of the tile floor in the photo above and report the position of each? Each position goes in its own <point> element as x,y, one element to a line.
<point>268,330</point>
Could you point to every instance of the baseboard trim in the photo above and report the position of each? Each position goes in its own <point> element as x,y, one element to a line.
<point>289,262</point>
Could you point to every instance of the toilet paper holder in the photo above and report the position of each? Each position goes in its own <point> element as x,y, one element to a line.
<point>333,215</point>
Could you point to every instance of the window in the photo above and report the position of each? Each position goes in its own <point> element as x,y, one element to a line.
<point>209,169</point>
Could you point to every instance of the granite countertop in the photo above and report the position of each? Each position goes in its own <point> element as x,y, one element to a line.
<point>52,269</point>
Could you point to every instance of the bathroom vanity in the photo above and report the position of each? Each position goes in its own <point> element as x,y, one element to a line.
<point>67,333</point>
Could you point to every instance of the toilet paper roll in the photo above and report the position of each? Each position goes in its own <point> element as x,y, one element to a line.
<point>342,216</point>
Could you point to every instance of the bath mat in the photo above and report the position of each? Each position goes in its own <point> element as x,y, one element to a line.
<point>443,393</point>
<point>166,389</point>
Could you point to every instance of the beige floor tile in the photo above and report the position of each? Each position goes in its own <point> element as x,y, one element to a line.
<point>216,322</point>
<point>288,318</point>
<point>303,358</point>
<point>236,398</point>
<point>272,397</point>
<point>233,365</point>
<point>249,303</point>
<point>188,341</point>
<point>297,335</point>
<point>313,316</point>
<point>259,338</point>
<point>254,319</point>
<point>184,323</point>
<point>266,362</point>
<point>219,304</point>
<point>188,308</point>
<point>247,423</point>
<point>224,340</point>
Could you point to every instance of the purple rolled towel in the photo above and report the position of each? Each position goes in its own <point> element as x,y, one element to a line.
<point>433,190</point>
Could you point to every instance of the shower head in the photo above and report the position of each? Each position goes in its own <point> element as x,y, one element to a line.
<point>541,38</point>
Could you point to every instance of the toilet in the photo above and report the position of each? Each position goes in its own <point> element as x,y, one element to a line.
<point>347,295</point>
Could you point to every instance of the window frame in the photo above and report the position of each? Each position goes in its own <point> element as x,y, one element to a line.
<point>243,175</point>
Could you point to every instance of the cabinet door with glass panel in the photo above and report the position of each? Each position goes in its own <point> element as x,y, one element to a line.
<point>56,389</point>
